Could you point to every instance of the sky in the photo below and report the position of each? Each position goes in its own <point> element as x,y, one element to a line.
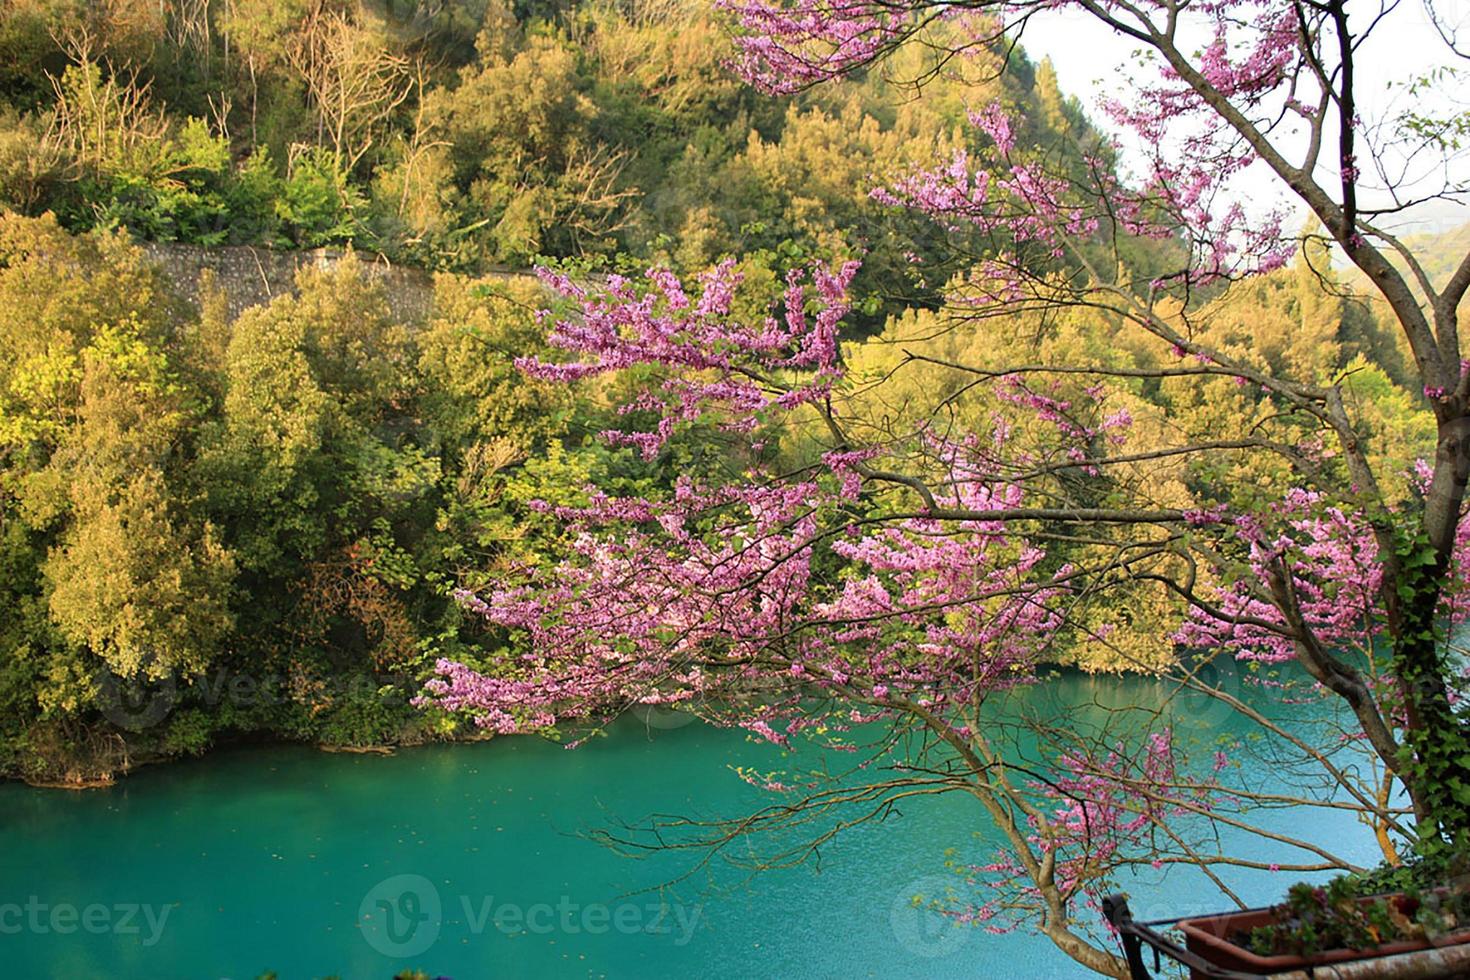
<point>1091,63</point>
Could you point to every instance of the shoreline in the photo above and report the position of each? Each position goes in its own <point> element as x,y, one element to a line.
<point>411,739</point>
<point>248,740</point>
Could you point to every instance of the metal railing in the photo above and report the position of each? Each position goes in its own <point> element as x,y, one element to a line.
<point>1136,935</point>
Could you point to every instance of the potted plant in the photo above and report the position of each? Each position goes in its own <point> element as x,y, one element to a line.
<point>1339,922</point>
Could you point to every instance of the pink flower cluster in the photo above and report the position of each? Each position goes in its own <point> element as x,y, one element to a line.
<point>714,367</point>
<point>710,593</point>
<point>1192,152</point>
<point>1331,556</point>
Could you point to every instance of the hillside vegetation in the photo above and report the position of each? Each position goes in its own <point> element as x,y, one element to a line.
<point>216,526</point>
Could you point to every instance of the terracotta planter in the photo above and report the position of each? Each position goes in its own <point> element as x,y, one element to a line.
<point>1209,937</point>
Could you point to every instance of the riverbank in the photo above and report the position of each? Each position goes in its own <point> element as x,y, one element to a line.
<point>81,782</point>
<point>118,753</point>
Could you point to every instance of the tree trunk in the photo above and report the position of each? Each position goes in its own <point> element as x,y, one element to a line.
<point>1085,953</point>
<point>1438,741</point>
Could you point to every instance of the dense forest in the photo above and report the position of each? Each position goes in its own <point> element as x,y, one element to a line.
<point>217,526</point>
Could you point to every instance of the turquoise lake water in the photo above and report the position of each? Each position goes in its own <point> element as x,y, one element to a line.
<point>472,861</point>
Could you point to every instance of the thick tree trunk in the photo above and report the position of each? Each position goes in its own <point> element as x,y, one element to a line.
<point>1440,766</point>
<point>1439,769</point>
<point>1087,954</point>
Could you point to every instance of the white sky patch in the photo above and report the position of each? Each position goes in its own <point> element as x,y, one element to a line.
<point>1092,63</point>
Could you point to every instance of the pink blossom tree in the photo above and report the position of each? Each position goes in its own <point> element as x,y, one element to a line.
<point>914,575</point>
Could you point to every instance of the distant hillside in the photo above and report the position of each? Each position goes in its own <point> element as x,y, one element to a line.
<point>483,135</point>
<point>1441,253</point>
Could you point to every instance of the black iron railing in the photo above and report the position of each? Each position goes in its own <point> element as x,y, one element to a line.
<point>1136,935</point>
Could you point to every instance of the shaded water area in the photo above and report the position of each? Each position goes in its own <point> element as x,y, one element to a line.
<point>472,861</point>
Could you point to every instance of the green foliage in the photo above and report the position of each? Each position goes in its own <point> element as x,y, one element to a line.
<point>1364,912</point>
<point>1448,131</point>
<point>476,135</point>
<point>1438,743</point>
<point>317,204</point>
<point>266,528</point>
<point>109,564</point>
<point>189,732</point>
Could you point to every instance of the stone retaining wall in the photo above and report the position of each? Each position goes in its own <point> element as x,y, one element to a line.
<point>254,276</point>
